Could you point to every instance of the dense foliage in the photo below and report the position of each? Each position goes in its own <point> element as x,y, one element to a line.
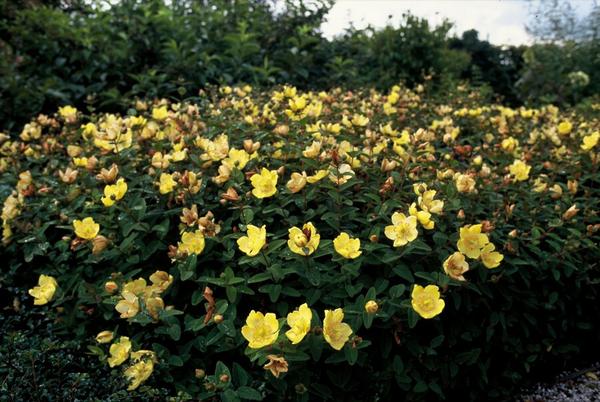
<point>357,245</point>
<point>98,56</point>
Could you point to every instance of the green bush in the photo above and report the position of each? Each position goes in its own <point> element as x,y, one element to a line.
<point>189,180</point>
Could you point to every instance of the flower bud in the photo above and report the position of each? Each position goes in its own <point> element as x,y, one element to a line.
<point>199,373</point>
<point>513,233</point>
<point>99,243</point>
<point>224,378</point>
<point>371,307</point>
<point>571,212</point>
<point>461,214</point>
<point>104,337</point>
<point>111,287</point>
<point>218,318</point>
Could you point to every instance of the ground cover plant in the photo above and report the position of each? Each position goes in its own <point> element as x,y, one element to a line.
<point>336,245</point>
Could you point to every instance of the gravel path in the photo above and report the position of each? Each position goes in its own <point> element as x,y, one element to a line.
<point>571,386</point>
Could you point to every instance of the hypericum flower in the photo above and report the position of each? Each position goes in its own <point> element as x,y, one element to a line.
<point>423,217</point>
<point>426,301</point>
<point>161,281</point>
<point>336,332</point>
<point>104,337</point>
<point>360,120</point>
<point>304,241</point>
<point>119,351</point>
<point>253,242</point>
<point>260,330</point>
<point>403,229</point>
<point>114,192</point>
<point>138,373</point>
<point>590,141</point>
<point>44,292</point>
<point>86,229</point>
<point>167,183</point>
<point>297,182</point>
<point>464,183</point>
<point>489,257</point>
<point>192,242</point>
<point>299,322</point>
<point>319,175</point>
<point>455,266</point>
<point>264,183</point>
<point>341,174</point>
<point>238,158</point>
<point>565,127</point>
<point>371,307</point>
<point>69,113</point>
<point>427,203</point>
<point>520,170</point>
<point>509,144</point>
<point>471,241</point>
<point>276,365</point>
<point>346,246</point>
<point>129,305</point>
<point>160,113</point>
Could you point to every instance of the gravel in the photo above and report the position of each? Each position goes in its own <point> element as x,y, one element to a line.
<point>571,386</point>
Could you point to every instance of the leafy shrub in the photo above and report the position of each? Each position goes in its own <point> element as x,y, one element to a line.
<point>168,230</point>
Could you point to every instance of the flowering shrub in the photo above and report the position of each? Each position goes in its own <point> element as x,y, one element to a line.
<point>330,245</point>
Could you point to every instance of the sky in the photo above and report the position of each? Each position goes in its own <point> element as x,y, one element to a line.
<point>502,22</point>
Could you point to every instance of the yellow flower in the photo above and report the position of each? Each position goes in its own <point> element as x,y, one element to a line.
<point>336,332</point>
<point>192,242</point>
<point>238,158</point>
<point>427,203</point>
<point>44,292</point>
<point>471,241</point>
<point>590,141</point>
<point>423,217</point>
<point>86,229</point>
<point>319,175</point>
<point>464,183</point>
<point>69,113</point>
<point>403,229</point>
<point>455,266</point>
<point>299,322</point>
<point>489,257</point>
<point>313,150</point>
<point>520,170</point>
<point>254,241</point>
<point>264,183</point>
<point>80,162</point>
<point>304,241</point>
<point>341,174</point>
<point>138,373</point>
<point>119,351</point>
<point>565,127</point>
<point>167,183</point>
<point>114,192</point>
<point>276,365</point>
<point>160,113</point>
<point>129,305</point>
<point>426,301</point>
<point>104,337</point>
<point>161,280</point>
<point>260,330</point>
<point>509,144</point>
<point>297,182</point>
<point>360,120</point>
<point>346,246</point>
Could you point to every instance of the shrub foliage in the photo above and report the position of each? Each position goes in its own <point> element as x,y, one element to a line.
<point>192,244</point>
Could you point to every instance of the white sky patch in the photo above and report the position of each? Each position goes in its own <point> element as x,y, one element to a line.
<point>502,22</point>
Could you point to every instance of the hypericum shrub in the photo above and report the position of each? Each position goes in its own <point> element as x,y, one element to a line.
<point>332,245</point>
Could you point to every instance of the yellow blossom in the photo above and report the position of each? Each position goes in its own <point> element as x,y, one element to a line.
<point>565,127</point>
<point>119,351</point>
<point>371,307</point>
<point>403,229</point>
<point>129,305</point>
<point>590,141</point>
<point>114,192</point>
<point>167,183</point>
<point>44,292</point>
<point>304,241</point>
<point>253,242</point>
<point>489,257</point>
<point>319,175</point>
<point>471,241</point>
<point>336,332</point>
<point>520,170</point>
<point>238,158</point>
<point>423,217</point>
<point>260,330</point>
<point>86,229</point>
<point>426,301</point>
<point>276,365</point>
<point>160,113</point>
<point>264,184</point>
<point>455,266</point>
<point>161,281</point>
<point>69,113</point>
<point>299,322</point>
<point>138,373</point>
<point>192,242</point>
<point>346,246</point>
<point>104,337</point>
<point>464,183</point>
<point>297,182</point>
